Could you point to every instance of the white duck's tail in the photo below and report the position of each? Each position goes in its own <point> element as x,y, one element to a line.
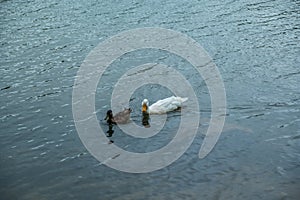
<point>182,99</point>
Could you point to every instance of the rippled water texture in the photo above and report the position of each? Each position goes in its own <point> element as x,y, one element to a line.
<point>255,45</point>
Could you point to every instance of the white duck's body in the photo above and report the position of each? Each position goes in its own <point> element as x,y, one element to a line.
<point>163,106</point>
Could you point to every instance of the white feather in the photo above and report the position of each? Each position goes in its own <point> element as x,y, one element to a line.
<point>165,105</point>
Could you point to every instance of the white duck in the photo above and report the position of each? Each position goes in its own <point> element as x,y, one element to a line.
<point>163,106</point>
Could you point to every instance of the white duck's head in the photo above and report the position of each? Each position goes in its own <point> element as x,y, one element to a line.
<point>145,105</point>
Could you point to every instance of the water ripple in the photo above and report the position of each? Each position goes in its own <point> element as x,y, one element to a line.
<point>256,47</point>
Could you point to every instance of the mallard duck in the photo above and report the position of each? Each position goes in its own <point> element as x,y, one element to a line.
<point>122,117</point>
<point>163,106</point>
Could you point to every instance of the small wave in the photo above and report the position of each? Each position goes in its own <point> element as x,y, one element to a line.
<point>38,147</point>
<point>5,88</point>
<point>284,137</point>
<point>287,75</point>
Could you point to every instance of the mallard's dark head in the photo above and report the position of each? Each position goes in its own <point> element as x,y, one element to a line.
<point>109,115</point>
<point>110,118</point>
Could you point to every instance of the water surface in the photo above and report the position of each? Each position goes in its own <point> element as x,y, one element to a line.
<point>255,45</point>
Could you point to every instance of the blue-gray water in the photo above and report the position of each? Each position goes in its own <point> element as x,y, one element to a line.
<point>255,45</point>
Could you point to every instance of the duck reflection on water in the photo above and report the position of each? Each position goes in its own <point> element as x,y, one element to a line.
<point>145,119</point>
<point>110,130</point>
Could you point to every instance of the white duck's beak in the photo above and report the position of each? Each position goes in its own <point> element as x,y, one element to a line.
<point>144,108</point>
<point>145,105</point>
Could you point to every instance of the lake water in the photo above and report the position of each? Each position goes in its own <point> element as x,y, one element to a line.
<point>256,46</point>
